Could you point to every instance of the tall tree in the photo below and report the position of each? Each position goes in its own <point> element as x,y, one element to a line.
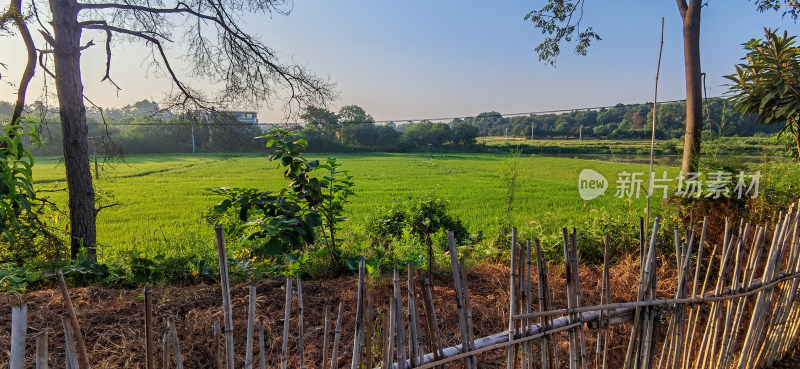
<point>216,49</point>
<point>560,21</point>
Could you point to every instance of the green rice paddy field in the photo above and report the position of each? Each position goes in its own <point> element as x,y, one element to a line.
<point>162,197</point>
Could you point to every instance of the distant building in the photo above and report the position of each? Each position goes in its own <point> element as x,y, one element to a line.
<point>246,117</point>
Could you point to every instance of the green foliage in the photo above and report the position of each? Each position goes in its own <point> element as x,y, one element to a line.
<point>556,20</point>
<point>278,224</point>
<point>418,219</point>
<point>768,84</point>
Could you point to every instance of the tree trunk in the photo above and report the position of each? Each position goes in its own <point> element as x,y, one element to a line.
<point>67,34</point>
<point>694,93</point>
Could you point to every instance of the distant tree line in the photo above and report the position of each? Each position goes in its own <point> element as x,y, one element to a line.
<point>142,128</point>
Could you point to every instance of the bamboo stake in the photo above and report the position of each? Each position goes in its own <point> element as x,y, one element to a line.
<point>694,311</point>
<point>573,353</point>
<point>19,328</point>
<point>458,286</point>
<point>148,329</point>
<point>528,300</point>
<point>71,356</point>
<point>511,295</point>
<point>251,317</point>
<point>176,348</point>
<point>646,279</point>
<point>300,331</point>
<point>370,326</point>
<point>389,357</point>
<point>434,320</point>
<point>83,357</point>
<point>226,294</point>
<point>413,323</point>
<point>549,349</point>
<point>325,332</point>
<point>41,350</point>
<point>286,316</point>
<point>215,350</point>
<point>165,347</point>
<point>400,325</point>
<point>601,333</point>
<point>468,310</point>
<point>262,356</point>
<point>578,294</point>
<point>337,336</point>
<point>359,329</point>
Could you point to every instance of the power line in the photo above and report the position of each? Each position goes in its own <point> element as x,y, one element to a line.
<point>239,124</point>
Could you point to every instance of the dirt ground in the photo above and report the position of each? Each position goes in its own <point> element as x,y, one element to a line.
<point>113,324</point>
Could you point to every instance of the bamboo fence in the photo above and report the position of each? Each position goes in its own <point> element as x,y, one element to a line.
<point>735,308</point>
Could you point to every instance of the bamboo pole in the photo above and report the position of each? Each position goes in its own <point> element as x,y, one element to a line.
<point>325,332</point>
<point>148,329</point>
<point>176,348</point>
<point>546,354</point>
<point>19,328</point>
<point>215,350</point>
<point>370,328</point>
<point>400,325</point>
<point>578,294</point>
<point>644,284</point>
<point>70,354</point>
<point>251,317</point>
<point>165,349</point>
<point>434,320</point>
<point>83,357</point>
<point>458,286</point>
<point>389,357</point>
<point>41,350</point>
<point>286,316</point>
<point>359,329</point>
<point>511,295</point>
<point>694,310</point>
<point>468,310</point>
<point>574,358</point>
<point>336,337</point>
<point>602,337</point>
<point>413,318</point>
<point>226,294</point>
<point>300,328</point>
<point>528,300</point>
<point>262,356</point>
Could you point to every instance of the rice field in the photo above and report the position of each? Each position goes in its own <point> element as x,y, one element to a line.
<point>162,198</point>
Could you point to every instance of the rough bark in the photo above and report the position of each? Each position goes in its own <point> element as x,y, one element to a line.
<point>19,20</point>
<point>690,14</point>
<point>67,53</point>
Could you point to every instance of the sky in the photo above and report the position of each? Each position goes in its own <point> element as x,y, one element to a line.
<point>412,60</point>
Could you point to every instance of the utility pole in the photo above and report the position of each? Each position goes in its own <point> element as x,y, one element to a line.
<point>193,140</point>
<point>506,133</point>
<point>580,132</point>
<point>531,131</point>
<point>94,153</point>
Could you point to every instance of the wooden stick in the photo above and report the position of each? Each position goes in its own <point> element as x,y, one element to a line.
<point>602,331</point>
<point>468,310</point>
<point>400,325</point>
<point>70,355</point>
<point>434,319</point>
<point>359,329</point>
<point>41,350</point>
<point>176,348</point>
<point>337,336</point>
<point>574,356</point>
<point>457,285</point>
<point>19,328</point>
<point>528,301</point>
<point>578,294</point>
<point>148,329</point>
<point>251,320</point>
<point>413,319</point>
<point>216,354</point>
<point>546,353</point>
<point>511,295</point>
<point>83,357</point>
<point>165,345</point>
<point>389,357</point>
<point>226,294</point>
<point>325,332</point>
<point>370,328</point>
<point>262,356</point>
<point>300,332</point>
<point>286,317</point>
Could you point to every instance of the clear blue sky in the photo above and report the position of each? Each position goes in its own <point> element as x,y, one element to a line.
<point>426,59</point>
